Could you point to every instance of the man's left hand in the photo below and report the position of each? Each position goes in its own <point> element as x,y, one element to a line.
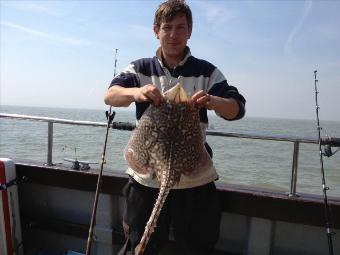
<point>201,99</point>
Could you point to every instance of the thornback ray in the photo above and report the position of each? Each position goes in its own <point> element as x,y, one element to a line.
<point>166,144</point>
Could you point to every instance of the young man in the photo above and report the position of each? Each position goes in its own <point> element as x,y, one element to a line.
<point>192,207</point>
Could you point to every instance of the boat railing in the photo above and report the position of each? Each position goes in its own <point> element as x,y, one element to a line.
<point>296,140</point>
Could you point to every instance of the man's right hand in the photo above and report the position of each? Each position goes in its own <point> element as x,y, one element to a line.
<point>119,96</point>
<point>148,93</point>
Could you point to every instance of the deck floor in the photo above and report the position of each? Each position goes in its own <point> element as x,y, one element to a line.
<point>172,249</point>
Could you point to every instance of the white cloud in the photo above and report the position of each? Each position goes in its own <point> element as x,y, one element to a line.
<point>49,36</point>
<point>27,6</point>
<point>216,15</point>
<point>140,32</point>
<point>305,11</point>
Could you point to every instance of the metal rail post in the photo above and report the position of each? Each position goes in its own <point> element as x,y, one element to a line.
<point>293,180</point>
<point>49,144</point>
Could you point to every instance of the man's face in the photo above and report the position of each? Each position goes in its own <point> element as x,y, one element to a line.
<point>173,36</point>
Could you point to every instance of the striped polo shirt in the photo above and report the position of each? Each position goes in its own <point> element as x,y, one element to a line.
<point>194,75</point>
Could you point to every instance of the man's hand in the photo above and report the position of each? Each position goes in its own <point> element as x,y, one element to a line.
<point>148,93</point>
<point>119,96</point>
<point>225,107</point>
<point>201,99</point>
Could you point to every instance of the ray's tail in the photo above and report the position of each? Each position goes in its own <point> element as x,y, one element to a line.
<point>151,224</point>
<point>167,181</point>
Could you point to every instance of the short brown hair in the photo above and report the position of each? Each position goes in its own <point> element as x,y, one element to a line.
<point>170,9</point>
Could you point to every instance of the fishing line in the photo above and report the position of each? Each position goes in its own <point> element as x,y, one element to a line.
<point>324,187</point>
<point>109,116</point>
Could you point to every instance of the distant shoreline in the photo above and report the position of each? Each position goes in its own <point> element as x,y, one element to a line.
<point>131,109</point>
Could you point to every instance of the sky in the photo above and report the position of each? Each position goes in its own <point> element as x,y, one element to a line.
<point>62,53</point>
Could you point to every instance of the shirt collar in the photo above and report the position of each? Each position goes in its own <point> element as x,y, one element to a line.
<point>187,54</point>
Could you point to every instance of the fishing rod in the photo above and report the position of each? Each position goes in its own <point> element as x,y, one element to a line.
<point>109,116</point>
<point>324,187</point>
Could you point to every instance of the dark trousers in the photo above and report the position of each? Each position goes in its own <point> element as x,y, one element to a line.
<point>193,213</point>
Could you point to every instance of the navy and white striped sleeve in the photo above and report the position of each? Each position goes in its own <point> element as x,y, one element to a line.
<point>218,86</point>
<point>127,79</point>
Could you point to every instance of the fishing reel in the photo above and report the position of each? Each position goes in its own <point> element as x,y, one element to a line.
<point>330,142</point>
<point>328,151</point>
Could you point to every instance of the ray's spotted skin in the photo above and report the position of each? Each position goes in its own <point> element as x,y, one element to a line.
<point>167,143</point>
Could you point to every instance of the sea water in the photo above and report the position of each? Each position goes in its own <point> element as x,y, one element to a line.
<point>257,163</point>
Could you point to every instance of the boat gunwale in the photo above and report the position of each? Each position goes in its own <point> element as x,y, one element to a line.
<point>238,199</point>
